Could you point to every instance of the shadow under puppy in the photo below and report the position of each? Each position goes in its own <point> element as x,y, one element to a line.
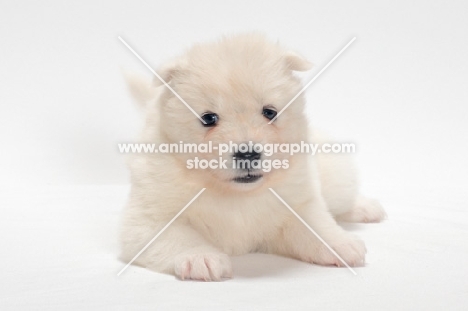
<point>237,85</point>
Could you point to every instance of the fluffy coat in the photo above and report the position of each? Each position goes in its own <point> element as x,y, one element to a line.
<point>236,77</point>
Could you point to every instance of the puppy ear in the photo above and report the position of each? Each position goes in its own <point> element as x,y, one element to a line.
<point>295,62</point>
<point>168,71</point>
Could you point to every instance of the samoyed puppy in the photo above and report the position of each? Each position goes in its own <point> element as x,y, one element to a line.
<point>237,85</point>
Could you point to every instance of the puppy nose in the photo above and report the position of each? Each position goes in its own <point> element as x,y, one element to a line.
<point>250,156</point>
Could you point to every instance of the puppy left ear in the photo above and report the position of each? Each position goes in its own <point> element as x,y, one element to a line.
<point>295,62</point>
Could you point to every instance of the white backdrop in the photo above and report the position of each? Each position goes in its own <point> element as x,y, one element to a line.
<point>399,91</point>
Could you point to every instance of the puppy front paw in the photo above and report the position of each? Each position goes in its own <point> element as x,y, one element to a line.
<point>203,267</point>
<point>350,248</point>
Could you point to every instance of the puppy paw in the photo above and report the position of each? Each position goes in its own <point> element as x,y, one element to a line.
<point>350,248</point>
<point>366,210</point>
<point>203,267</point>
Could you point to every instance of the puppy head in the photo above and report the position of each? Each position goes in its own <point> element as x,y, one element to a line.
<point>236,85</point>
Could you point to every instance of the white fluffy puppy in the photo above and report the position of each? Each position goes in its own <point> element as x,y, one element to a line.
<point>237,85</point>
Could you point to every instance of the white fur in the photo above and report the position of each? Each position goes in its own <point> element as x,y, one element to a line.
<point>235,77</point>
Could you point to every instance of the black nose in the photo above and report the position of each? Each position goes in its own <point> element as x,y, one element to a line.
<point>250,156</point>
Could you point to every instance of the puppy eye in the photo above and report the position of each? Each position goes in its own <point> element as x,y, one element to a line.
<point>210,119</point>
<point>269,113</point>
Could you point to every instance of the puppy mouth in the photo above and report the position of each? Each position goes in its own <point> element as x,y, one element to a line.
<point>249,178</point>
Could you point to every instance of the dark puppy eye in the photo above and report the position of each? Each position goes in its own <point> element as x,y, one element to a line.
<point>269,113</point>
<point>210,119</point>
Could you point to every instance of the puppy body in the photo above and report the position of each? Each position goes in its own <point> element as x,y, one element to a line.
<point>235,78</point>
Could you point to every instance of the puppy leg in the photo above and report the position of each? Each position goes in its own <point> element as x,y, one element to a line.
<point>364,210</point>
<point>179,250</point>
<point>299,242</point>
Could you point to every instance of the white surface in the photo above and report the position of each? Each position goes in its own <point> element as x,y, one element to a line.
<point>60,253</point>
<point>399,91</point>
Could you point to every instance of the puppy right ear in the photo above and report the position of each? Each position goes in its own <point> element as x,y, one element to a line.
<point>167,72</point>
